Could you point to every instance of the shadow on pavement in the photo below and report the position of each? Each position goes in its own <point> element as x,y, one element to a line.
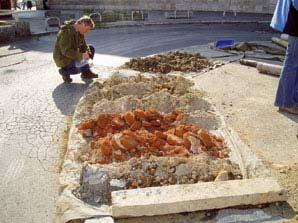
<point>293,117</point>
<point>67,95</point>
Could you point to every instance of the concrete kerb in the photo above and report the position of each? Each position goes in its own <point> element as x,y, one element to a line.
<point>253,171</point>
<point>142,23</point>
<point>205,22</point>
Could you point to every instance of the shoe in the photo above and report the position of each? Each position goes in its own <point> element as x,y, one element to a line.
<point>292,110</point>
<point>65,77</point>
<point>88,75</point>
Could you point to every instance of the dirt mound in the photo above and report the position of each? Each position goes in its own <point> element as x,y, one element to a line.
<point>145,130</point>
<point>172,61</point>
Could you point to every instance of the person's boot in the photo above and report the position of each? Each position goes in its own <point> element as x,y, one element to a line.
<point>292,110</point>
<point>88,74</point>
<point>65,77</point>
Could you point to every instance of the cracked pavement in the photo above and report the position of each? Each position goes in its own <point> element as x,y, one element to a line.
<point>35,104</point>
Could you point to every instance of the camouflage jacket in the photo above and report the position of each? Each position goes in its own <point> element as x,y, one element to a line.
<point>69,45</point>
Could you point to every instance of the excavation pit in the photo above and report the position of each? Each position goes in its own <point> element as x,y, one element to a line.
<point>181,158</point>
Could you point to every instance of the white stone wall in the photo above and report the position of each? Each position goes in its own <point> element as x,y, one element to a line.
<point>252,6</point>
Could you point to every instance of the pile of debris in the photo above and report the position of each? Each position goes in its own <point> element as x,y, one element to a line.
<point>172,61</point>
<point>119,137</point>
<point>144,130</point>
<point>99,181</point>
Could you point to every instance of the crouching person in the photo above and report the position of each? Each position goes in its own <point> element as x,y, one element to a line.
<point>71,49</point>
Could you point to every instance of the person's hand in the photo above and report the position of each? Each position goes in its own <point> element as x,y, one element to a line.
<point>85,56</point>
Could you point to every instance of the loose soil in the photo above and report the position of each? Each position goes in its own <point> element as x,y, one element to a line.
<point>172,61</point>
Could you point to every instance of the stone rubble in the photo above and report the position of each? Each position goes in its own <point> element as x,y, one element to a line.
<point>152,172</point>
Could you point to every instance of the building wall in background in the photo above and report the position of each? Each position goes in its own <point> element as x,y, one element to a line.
<point>251,6</point>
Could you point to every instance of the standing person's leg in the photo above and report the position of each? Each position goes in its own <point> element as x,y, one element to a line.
<point>15,5</point>
<point>287,91</point>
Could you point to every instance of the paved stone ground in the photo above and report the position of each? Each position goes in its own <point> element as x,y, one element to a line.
<point>35,104</point>
<point>33,109</point>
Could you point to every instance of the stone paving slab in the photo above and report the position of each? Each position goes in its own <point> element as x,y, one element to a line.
<point>195,197</point>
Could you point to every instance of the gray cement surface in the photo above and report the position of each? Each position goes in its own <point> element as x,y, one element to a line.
<point>33,108</point>
<point>34,104</point>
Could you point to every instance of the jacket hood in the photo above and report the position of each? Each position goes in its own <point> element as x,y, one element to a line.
<point>67,24</point>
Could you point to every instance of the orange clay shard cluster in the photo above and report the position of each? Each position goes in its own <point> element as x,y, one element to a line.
<point>118,137</point>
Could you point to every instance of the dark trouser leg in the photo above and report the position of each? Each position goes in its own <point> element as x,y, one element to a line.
<point>70,69</point>
<point>84,69</point>
<point>92,49</point>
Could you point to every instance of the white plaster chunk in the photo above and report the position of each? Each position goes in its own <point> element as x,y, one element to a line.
<point>100,220</point>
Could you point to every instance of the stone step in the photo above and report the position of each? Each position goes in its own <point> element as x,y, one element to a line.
<point>195,197</point>
<point>265,6</point>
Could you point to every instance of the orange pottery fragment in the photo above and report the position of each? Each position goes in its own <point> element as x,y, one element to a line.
<point>102,120</point>
<point>174,140</point>
<point>179,131</point>
<point>128,142</point>
<point>129,117</point>
<point>186,140</point>
<point>106,147</point>
<point>117,123</point>
<point>155,123</point>
<point>136,125</point>
<point>119,137</point>
<point>115,143</point>
<point>140,114</point>
<point>205,138</point>
<point>160,134</point>
<point>146,124</point>
<point>130,133</point>
<point>89,124</point>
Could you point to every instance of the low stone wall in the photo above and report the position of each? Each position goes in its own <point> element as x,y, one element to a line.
<point>11,31</point>
<point>249,6</point>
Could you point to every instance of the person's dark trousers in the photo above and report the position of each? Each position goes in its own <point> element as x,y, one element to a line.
<point>72,69</point>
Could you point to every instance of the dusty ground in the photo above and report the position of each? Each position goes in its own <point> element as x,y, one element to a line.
<point>288,178</point>
<point>246,98</point>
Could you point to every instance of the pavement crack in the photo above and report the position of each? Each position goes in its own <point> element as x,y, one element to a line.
<point>9,65</point>
<point>12,54</point>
